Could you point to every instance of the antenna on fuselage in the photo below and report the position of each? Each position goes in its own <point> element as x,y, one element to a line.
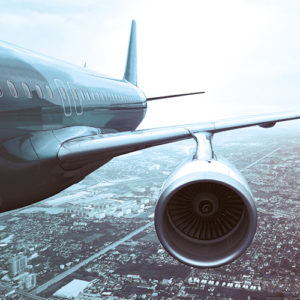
<point>130,73</point>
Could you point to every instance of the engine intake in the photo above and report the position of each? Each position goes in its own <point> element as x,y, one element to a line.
<point>206,215</point>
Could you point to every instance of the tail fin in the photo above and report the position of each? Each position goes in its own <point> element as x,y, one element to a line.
<point>131,65</point>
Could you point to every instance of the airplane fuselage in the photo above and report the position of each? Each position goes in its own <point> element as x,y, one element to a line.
<point>44,102</point>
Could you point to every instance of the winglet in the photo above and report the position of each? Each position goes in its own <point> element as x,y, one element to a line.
<point>131,65</point>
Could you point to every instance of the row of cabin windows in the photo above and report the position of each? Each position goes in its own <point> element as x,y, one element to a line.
<point>14,92</point>
<point>87,94</point>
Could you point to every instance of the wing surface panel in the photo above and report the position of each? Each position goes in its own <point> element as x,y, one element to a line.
<point>80,151</point>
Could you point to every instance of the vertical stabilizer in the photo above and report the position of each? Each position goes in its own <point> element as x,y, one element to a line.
<point>131,65</point>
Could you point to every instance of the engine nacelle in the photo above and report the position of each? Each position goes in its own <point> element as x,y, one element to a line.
<point>206,215</point>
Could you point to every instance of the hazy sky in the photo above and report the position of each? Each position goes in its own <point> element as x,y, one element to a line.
<point>244,54</point>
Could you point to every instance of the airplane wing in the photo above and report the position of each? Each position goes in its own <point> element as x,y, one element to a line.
<point>80,151</point>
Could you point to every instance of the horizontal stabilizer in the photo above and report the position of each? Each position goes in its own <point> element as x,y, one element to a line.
<point>173,96</point>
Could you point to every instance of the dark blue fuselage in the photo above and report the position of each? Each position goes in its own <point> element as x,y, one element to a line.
<point>62,95</point>
<point>44,102</point>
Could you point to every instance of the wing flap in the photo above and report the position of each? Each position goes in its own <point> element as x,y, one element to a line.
<point>84,150</point>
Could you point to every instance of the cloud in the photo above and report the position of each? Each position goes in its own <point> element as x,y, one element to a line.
<point>242,53</point>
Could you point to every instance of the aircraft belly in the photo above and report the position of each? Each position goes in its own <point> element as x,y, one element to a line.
<point>30,170</point>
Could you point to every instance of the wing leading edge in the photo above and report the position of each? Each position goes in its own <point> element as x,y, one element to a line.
<point>84,150</point>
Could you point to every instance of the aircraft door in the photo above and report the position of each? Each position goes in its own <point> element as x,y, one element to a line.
<point>76,99</point>
<point>66,103</point>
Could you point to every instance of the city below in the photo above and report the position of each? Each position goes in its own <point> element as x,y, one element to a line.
<point>96,240</point>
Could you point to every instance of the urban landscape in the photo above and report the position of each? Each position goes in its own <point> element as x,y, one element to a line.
<point>96,240</point>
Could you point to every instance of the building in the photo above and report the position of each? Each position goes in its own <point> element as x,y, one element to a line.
<point>30,281</point>
<point>72,289</point>
<point>17,265</point>
<point>25,280</point>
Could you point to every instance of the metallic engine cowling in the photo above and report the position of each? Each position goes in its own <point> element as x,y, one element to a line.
<point>206,215</point>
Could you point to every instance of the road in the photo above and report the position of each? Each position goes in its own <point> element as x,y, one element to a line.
<point>27,295</point>
<point>89,259</point>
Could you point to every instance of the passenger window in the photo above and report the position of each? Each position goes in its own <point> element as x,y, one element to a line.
<point>75,94</point>
<point>82,94</point>
<point>88,95</point>
<point>39,91</point>
<point>92,95</point>
<point>95,95</point>
<point>12,88</point>
<point>49,91</point>
<point>26,90</point>
<point>1,93</point>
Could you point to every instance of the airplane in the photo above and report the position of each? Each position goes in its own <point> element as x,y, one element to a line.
<point>60,122</point>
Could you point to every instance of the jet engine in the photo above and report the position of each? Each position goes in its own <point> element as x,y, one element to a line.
<point>206,215</point>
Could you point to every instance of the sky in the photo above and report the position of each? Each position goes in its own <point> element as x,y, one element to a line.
<point>244,54</point>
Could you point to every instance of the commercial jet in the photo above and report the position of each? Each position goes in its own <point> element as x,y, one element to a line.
<point>60,122</point>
